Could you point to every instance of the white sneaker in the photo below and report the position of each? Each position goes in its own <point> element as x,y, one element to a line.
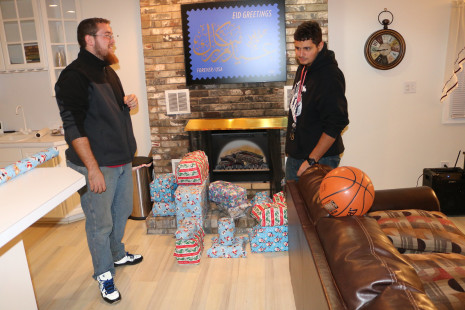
<point>129,259</point>
<point>107,288</point>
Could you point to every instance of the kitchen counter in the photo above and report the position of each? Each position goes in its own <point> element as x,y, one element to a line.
<point>45,141</point>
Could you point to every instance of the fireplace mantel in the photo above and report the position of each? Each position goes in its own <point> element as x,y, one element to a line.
<point>236,124</point>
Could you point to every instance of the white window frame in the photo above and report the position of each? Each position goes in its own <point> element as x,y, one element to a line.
<point>447,103</point>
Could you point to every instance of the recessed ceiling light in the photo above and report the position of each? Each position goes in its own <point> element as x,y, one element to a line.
<point>70,11</point>
<point>53,5</point>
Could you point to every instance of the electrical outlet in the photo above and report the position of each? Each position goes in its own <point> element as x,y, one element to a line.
<point>444,164</point>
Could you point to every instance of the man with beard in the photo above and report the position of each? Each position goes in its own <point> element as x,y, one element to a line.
<point>318,107</point>
<point>98,130</point>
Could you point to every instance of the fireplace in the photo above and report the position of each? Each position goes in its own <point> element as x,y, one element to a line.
<point>240,150</point>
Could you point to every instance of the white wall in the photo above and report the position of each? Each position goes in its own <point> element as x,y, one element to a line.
<point>32,89</point>
<point>392,136</point>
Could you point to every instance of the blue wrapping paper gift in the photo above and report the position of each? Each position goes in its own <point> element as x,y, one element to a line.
<point>188,228</point>
<point>235,250</point>
<point>191,201</point>
<point>227,194</point>
<point>269,239</point>
<point>164,208</point>
<point>261,197</point>
<point>226,230</point>
<point>162,188</point>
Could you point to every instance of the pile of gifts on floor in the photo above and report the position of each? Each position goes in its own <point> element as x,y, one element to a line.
<point>186,194</point>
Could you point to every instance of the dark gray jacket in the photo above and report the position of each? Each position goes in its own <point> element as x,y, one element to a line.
<point>91,102</point>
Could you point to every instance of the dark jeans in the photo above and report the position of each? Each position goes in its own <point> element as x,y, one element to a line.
<point>293,165</point>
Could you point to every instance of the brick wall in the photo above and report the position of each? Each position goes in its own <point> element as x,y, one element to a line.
<point>164,69</point>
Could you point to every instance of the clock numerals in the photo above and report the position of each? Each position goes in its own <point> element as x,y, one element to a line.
<point>384,49</point>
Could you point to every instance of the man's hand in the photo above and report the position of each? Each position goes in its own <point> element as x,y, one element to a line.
<point>96,181</point>
<point>131,101</point>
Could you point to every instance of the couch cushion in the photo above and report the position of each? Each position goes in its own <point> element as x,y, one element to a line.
<point>422,231</point>
<point>443,277</point>
<point>309,187</point>
<point>366,267</point>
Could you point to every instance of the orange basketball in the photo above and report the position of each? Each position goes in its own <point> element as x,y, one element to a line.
<point>346,191</point>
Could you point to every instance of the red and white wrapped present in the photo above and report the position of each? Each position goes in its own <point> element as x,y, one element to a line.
<point>192,169</point>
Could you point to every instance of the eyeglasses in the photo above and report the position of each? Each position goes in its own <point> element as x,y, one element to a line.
<point>108,36</point>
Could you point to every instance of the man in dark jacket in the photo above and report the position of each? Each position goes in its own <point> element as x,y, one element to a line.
<point>318,107</point>
<point>98,130</point>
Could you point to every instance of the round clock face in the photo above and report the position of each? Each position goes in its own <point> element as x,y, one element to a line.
<point>385,49</point>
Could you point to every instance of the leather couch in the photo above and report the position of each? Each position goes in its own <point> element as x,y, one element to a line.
<point>348,262</point>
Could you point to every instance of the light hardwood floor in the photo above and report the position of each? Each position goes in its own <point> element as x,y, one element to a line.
<point>61,269</point>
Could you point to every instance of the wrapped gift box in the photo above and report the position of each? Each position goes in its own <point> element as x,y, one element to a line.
<point>191,201</point>
<point>261,197</point>
<point>227,194</point>
<point>269,239</point>
<point>163,187</point>
<point>164,208</point>
<point>235,250</point>
<point>192,169</point>
<point>236,212</point>
<point>188,228</point>
<point>279,198</point>
<point>270,214</point>
<point>189,251</point>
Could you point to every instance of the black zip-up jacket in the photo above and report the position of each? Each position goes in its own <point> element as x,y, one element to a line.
<point>324,107</point>
<point>91,102</point>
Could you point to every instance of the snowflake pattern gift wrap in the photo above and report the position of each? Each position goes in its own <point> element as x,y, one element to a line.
<point>192,169</point>
<point>227,194</point>
<point>235,250</point>
<point>191,201</point>
<point>163,187</point>
<point>270,214</point>
<point>164,208</point>
<point>269,239</point>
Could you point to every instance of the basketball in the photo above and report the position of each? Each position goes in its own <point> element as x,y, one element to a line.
<point>346,191</point>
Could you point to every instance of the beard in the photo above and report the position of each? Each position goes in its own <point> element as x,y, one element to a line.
<point>106,54</point>
<point>111,58</point>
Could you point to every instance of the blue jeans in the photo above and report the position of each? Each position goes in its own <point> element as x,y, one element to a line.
<point>293,165</point>
<point>106,216</point>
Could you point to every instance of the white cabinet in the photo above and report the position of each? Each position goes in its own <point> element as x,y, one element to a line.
<point>21,36</point>
<point>60,23</point>
<point>68,211</point>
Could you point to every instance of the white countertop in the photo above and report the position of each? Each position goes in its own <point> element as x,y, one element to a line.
<point>26,198</point>
<point>45,141</point>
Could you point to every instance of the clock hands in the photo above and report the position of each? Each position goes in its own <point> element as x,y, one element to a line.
<point>385,49</point>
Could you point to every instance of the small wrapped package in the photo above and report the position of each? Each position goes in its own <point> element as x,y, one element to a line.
<point>189,251</point>
<point>191,201</point>
<point>227,194</point>
<point>192,169</point>
<point>269,239</point>
<point>163,187</point>
<point>235,250</point>
<point>226,230</point>
<point>261,197</point>
<point>164,208</point>
<point>279,198</point>
<point>270,214</point>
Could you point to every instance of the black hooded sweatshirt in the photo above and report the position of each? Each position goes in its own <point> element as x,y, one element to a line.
<point>324,107</point>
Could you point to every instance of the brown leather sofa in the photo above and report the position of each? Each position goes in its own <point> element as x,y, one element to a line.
<point>356,264</point>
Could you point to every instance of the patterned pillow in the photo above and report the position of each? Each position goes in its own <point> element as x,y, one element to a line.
<point>442,276</point>
<point>420,231</point>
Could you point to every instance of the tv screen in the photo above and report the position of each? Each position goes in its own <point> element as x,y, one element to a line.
<point>234,41</point>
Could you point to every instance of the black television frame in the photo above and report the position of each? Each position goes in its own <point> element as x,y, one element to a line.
<point>281,77</point>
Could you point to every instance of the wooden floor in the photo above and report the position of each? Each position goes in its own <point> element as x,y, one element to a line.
<point>61,269</point>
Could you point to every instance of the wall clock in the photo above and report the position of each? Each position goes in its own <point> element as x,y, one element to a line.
<point>385,48</point>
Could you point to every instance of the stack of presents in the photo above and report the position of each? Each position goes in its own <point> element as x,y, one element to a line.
<point>187,195</point>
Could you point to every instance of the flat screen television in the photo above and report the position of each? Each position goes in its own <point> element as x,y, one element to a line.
<point>234,41</point>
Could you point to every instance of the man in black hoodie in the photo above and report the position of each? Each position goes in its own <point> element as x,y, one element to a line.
<point>98,130</point>
<point>318,107</point>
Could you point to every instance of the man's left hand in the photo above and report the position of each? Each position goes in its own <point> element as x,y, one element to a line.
<point>131,101</point>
